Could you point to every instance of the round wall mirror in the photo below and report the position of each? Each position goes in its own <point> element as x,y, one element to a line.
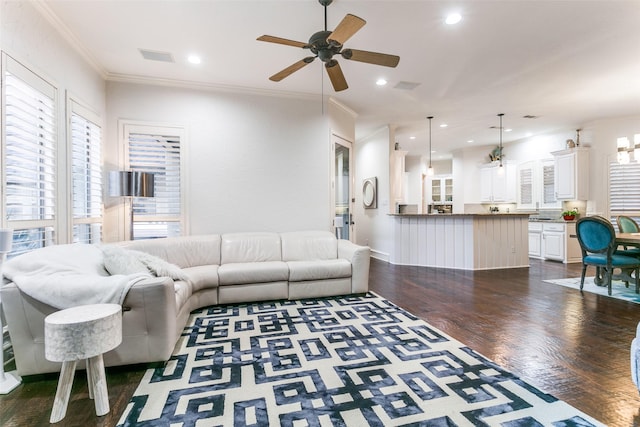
<point>369,193</point>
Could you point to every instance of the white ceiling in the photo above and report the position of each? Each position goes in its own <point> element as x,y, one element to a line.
<point>567,62</point>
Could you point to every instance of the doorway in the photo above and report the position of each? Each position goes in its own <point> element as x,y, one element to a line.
<point>343,188</point>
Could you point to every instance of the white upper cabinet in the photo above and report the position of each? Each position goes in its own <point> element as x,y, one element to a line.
<point>572,174</point>
<point>535,185</point>
<point>441,189</point>
<point>498,186</point>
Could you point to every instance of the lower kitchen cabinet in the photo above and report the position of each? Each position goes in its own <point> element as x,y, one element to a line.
<point>554,241</point>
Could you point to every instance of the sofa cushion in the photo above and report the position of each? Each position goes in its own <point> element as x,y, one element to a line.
<point>308,245</point>
<point>183,251</point>
<point>252,272</point>
<point>202,276</point>
<point>250,247</point>
<point>315,270</point>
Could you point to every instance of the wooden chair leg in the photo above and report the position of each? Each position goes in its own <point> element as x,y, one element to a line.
<point>61,400</point>
<point>584,271</point>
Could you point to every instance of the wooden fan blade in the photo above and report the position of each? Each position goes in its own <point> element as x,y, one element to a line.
<point>280,40</point>
<point>336,76</point>
<point>371,57</point>
<point>349,25</point>
<point>292,69</point>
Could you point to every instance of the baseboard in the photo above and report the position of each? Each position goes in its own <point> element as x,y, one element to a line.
<point>379,255</point>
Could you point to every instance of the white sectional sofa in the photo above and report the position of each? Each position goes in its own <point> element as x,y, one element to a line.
<point>213,269</point>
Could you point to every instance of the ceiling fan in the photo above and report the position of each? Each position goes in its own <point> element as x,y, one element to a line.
<point>325,44</point>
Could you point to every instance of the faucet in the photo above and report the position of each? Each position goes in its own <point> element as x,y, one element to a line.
<point>494,209</point>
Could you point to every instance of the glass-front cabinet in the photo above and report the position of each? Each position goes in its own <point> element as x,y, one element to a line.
<point>442,190</point>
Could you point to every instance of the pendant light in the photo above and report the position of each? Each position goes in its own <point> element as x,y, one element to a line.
<point>430,168</point>
<point>501,169</point>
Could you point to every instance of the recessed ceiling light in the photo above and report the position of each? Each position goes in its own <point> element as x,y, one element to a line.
<point>412,137</point>
<point>470,141</point>
<point>453,18</point>
<point>444,125</point>
<point>381,82</point>
<point>194,59</point>
<point>528,134</point>
<point>508,130</point>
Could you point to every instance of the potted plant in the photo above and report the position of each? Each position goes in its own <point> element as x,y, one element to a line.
<point>570,215</point>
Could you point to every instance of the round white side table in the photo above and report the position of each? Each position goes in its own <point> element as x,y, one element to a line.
<point>77,333</point>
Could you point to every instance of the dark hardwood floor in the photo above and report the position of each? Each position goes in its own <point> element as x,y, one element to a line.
<point>574,346</point>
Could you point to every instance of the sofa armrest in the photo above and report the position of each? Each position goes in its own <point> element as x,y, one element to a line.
<point>149,326</point>
<point>359,256</point>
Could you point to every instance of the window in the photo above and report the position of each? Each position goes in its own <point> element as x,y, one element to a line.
<point>157,150</point>
<point>29,157</point>
<point>624,190</point>
<point>86,169</point>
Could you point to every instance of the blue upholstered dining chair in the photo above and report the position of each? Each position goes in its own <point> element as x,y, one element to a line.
<point>597,240</point>
<point>628,225</point>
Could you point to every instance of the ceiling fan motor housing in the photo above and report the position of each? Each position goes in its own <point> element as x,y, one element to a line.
<point>318,45</point>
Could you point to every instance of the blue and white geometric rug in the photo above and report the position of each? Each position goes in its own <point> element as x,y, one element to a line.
<point>618,289</point>
<point>344,361</point>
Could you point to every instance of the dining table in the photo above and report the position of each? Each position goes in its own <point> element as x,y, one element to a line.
<point>622,239</point>
<point>628,239</point>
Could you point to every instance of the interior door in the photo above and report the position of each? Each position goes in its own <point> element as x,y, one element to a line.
<point>343,188</point>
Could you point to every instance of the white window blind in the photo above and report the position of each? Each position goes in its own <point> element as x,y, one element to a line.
<point>86,165</point>
<point>548,185</point>
<point>29,158</point>
<point>624,190</point>
<point>526,186</point>
<point>157,153</point>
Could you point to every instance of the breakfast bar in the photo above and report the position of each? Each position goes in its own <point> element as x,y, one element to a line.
<point>461,241</point>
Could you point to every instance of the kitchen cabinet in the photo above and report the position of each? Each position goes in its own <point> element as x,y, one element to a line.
<point>571,175</point>
<point>535,185</point>
<point>548,199</point>
<point>442,190</point>
<point>554,241</point>
<point>535,239</point>
<point>498,186</point>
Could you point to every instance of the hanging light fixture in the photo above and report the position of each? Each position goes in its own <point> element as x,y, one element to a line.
<point>501,170</point>
<point>430,168</point>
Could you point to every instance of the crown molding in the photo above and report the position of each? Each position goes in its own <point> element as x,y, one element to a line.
<point>43,8</point>
<point>343,107</point>
<point>217,87</point>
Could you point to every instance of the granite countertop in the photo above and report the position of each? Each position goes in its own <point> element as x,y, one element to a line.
<point>464,214</point>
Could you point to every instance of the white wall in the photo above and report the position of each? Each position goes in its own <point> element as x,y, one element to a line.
<point>253,162</point>
<point>28,38</point>
<point>375,226</point>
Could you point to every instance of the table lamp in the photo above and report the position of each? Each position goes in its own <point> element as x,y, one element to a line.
<point>131,184</point>
<point>8,380</point>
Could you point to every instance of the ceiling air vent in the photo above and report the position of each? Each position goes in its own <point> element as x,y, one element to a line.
<point>154,55</point>
<point>406,85</point>
<point>529,116</point>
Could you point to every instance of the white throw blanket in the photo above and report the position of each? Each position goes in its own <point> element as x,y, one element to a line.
<point>64,276</point>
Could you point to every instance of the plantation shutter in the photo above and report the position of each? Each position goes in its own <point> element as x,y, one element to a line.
<point>624,190</point>
<point>548,187</point>
<point>157,153</point>
<point>29,158</point>
<point>86,166</point>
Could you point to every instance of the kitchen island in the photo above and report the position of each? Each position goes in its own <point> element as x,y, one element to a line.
<point>461,241</point>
